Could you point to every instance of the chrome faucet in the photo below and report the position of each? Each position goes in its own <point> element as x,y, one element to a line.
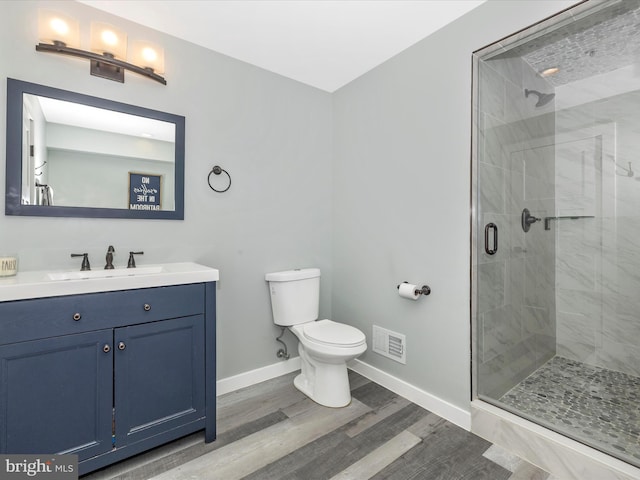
<point>85,261</point>
<point>109,257</point>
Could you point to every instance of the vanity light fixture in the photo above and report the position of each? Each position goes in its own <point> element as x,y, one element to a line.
<point>60,34</point>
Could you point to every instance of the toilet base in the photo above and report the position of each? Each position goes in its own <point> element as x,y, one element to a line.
<point>326,384</point>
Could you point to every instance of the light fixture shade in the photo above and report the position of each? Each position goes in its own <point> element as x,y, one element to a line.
<point>147,55</point>
<point>107,39</point>
<point>55,27</point>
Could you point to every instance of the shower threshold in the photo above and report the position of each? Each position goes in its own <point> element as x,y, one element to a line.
<point>592,405</point>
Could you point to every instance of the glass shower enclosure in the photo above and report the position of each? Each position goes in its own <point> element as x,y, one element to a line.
<point>556,214</point>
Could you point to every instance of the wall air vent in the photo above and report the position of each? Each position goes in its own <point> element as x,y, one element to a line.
<point>390,344</point>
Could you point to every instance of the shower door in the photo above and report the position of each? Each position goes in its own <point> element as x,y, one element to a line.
<point>541,293</point>
<point>556,223</point>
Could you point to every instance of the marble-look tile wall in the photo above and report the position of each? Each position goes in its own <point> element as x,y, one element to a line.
<point>515,287</point>
<point>598,260</point>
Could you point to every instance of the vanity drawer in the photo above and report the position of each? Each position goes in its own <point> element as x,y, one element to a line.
<point>23,320</point>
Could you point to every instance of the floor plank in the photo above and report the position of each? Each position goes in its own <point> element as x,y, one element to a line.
<point>261,448</point>
<point>378,459</point>
<point>448,452</point>
<point>271,431</point>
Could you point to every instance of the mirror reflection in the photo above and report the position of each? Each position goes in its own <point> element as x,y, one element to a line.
<point>73,155</point>
<point>82,156</point>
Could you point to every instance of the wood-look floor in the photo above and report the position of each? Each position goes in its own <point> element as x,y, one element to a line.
<point>271,431</point>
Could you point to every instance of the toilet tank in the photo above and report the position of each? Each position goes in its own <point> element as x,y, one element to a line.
<point>295,296</point>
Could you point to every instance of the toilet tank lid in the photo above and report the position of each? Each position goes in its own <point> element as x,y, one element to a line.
<point>290,275</point>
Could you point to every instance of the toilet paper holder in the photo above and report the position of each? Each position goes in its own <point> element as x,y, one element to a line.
<point>425,290</point>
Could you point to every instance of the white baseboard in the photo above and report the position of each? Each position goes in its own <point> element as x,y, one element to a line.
<point>258,375</point>
<point>442,408</point>
<point>426,400</point>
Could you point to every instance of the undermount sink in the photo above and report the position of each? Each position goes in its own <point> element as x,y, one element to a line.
<point>116,272</point>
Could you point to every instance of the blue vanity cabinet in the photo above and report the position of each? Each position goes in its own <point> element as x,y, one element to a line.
<point>107,375</point>
<point>43,405</point>
<point>159,372</point>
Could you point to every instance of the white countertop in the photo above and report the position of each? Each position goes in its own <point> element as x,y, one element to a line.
<point>39,284</point>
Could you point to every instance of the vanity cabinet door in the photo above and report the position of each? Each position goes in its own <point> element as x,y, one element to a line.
<point>56,395</point>
<point>159,377</point>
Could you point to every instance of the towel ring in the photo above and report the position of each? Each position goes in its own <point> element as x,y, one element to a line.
<point>217,171</point>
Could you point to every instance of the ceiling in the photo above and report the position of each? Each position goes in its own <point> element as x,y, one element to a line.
<point>322,43</point>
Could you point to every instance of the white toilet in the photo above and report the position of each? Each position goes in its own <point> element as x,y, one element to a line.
<point>325,346</point>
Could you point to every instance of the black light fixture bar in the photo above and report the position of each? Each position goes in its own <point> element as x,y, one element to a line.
<point>101,65</point>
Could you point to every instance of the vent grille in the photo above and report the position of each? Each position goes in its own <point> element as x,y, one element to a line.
<point>390,344</point>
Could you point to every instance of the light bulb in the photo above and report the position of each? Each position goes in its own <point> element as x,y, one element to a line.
<point>109,37</point>
<point>149,54</point>
<point>59,26</point>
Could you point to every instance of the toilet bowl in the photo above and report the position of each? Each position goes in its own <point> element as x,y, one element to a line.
<point>325,346</point>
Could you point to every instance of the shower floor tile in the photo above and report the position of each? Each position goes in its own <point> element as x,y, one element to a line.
<point>593,405</point>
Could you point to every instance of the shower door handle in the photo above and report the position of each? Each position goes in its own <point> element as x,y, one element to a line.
<point>487,228</point>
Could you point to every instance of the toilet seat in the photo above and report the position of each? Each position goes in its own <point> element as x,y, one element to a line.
<point>330,333</point>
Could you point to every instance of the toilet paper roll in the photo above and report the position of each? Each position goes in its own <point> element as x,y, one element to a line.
<point>408,290</point>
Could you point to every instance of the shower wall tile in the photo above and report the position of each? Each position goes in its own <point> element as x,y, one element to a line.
<point>626,229</point>
<point>622,357</point>
<point>490,286</point>
<point>537,320</point>
<point>509,69</point>
<point>539,281</point>
<point>538,188</point>
<point>492,189</point>
<point>515,286</point>
<point>501,373</point>
<point>627,306</point>
<point>539,162</point>
<point>576,272</point>
<point>580,352</point>
<point>581,235</point>
<point>516,200</point>
<point>516,237</point>
<point>628,273</point>
<point>578,302</point>
<point>491,92</point>
<point>576,328</point>
<point>501,329</point>
<point>492,132</point>
<point>621,328</point>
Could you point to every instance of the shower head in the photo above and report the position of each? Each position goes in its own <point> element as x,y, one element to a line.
<point>543,98</point>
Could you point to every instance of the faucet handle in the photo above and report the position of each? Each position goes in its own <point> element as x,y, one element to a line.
<point>109,258</point>
<point>132,261</point>
<point>85,261</point>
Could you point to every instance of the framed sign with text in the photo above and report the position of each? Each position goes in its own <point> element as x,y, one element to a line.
<point>144,191</point>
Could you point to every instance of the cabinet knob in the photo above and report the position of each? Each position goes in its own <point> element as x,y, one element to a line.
<point>147,307</point>
<point>106,348</point>
<point>77,316</point>
<point>122,346</point>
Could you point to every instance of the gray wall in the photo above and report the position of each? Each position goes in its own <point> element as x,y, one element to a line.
<point>272,134</point>
<point>370,184</point>
<point>402,194</point>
